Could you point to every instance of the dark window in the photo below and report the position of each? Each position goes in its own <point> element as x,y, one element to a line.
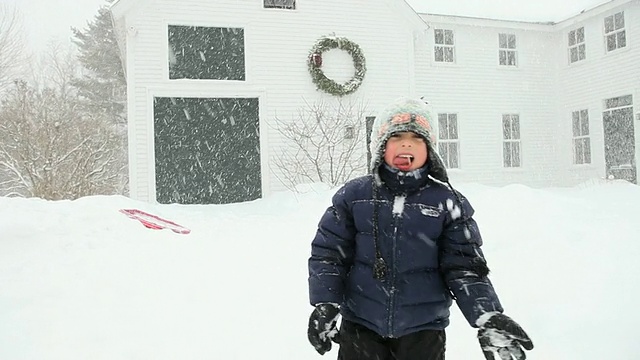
<point>577,47</point>
<point>511,140</point>
<point>581,141</point>
<point>614,31</point>
<point>448,142</point>
<point>444,45</point>
<point>280,4</point>
<point>507,49</point>
<point>197,52</point>
<point>207,150</point>
<point>617,102</point>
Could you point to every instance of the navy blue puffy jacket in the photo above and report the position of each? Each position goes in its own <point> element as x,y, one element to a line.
<point>431,248</point>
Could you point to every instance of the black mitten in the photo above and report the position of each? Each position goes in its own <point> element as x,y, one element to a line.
<point>500,334</point>
<point>322,327</point>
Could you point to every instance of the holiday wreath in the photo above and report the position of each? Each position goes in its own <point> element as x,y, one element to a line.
<point>321,80</point>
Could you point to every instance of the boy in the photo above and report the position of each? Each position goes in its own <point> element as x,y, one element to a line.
<point>393,251</point>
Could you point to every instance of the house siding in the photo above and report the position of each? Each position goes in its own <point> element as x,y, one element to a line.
<point>277,43</point>
<point>543,89</point>
<point>586,84</point>
<point>480,91</point>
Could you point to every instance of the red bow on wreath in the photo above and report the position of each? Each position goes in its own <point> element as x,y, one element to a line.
<point>316,59</point>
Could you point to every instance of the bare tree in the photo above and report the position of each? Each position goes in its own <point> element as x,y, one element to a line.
<point>49,146</point>
<point>13,55</point>
<point>325,142</point>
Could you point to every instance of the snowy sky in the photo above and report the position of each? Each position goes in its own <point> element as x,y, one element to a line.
<point>79,280</point>
<point>43,26</point>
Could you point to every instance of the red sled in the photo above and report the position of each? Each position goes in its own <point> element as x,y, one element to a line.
<point>154,222</point>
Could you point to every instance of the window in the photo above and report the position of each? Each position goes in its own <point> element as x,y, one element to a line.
<point>618,102</point>
<point>511,142</point>
<point>507,51</point>
<point>280,4</point>
<point>577,45</point>
<point>614,31</point>
<point>444,48</point>
<point>448,143</point>
<point>349,132</point>
<point>199,52</point>
<point>581,142</point>
<point>193,142</point>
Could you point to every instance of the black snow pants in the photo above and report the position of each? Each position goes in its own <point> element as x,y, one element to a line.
<point>359,343</point>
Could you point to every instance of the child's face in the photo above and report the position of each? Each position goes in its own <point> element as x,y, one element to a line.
<point>405,151</point>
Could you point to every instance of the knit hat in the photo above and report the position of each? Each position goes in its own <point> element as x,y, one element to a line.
<point>402,115</point>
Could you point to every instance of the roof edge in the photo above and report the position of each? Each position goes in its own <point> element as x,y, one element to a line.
<point>406,8</point>
<point>598,9</point>
<point>120,7</point>
<point>604,6</point>
<point>490,19</point>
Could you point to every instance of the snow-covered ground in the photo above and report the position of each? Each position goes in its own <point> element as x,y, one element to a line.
<point>79,280</point>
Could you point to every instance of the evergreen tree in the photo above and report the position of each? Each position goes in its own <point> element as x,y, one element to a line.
<point>102,87</point>
<point>103,84</point>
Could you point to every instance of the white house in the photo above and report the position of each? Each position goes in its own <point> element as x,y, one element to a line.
<point>516,102</point>
<point>543,104</point>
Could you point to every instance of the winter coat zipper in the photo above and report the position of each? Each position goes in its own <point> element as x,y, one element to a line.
<point>397,217</point>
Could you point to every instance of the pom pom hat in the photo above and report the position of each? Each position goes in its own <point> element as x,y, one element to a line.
<point>402,115</point>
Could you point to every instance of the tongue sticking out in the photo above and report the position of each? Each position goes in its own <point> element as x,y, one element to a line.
<point>402,162</point>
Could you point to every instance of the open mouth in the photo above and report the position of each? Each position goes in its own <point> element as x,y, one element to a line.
<point>403,161</point>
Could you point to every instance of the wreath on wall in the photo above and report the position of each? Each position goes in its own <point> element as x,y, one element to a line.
<point>315,65</point>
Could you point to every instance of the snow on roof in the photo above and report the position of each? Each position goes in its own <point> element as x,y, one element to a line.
<point>514,10</point>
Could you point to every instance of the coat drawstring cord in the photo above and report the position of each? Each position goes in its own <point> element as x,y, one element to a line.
<point>379,265</point>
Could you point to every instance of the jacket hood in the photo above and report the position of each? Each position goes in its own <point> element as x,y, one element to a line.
<point>405,114</point>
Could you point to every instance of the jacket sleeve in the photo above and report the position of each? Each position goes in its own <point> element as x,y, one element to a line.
<point>463,265</point>
<point>332,252</point>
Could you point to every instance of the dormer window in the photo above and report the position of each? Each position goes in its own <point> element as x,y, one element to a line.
<point>280,4</point>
